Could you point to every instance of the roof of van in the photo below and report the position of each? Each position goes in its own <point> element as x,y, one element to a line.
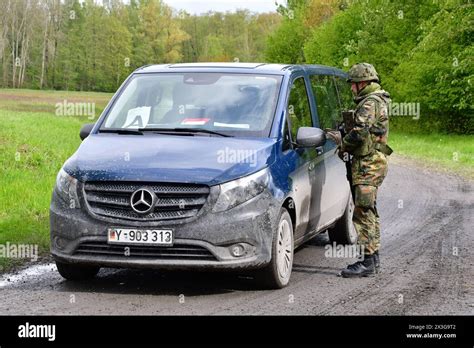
<point>263,68</point>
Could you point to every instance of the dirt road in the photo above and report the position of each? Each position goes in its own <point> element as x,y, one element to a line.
<point>427,260</point>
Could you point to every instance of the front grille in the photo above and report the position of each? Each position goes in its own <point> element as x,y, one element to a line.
<point>176,252</point>
<point>174,201</point>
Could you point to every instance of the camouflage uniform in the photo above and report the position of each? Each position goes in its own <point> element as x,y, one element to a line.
<point>367,142</point>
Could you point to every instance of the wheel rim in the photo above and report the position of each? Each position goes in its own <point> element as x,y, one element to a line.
<point>284,250</point>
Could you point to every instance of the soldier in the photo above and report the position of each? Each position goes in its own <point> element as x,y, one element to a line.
<point>367,143</point>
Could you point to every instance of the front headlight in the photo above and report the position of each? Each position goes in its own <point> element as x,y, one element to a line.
<point>239,191</point>
<point>66,186</point>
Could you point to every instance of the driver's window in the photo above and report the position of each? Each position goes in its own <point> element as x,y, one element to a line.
<point>298,107</point>
<point>325,92</point>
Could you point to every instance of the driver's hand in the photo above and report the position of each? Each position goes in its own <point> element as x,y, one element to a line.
<point>334,135</point>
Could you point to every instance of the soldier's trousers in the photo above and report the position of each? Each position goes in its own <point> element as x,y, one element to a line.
<point>366,218</point>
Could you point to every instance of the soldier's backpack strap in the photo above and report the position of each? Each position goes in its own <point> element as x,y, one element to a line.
<point>384,148</point>
<point>378,99</point>
<point>374,97</point>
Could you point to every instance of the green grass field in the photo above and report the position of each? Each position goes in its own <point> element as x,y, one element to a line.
<point>34,143</point>
<point>451,153</point>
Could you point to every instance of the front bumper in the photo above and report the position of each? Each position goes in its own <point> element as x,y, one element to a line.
<point>250,224</point>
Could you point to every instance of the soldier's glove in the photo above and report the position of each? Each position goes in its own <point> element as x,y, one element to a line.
<point>334,135</point>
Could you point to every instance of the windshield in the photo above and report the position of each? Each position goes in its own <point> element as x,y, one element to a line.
<point>232,104</point>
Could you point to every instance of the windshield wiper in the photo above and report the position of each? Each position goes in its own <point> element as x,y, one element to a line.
<point>121,131</point>
<point>183,130</point>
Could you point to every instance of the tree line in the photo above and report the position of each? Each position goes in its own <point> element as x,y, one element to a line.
<point>423,50</point>
<point>86,45</point>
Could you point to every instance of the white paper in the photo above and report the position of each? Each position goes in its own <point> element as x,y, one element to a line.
<point>232,125</point>
<point>138,117</point>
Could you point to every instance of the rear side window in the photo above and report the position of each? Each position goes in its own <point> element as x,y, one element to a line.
<point>298,107</point>
<point>345,93</point>
<point>327,102</point>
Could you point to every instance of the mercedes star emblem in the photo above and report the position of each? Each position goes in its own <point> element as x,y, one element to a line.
<point>143,201</point>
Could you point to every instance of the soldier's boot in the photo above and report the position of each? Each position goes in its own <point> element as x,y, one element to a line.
<point>364,268</point>
<point>377,262</point>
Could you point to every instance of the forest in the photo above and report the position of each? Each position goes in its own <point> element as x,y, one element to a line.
<point>423,50</point>
<point>91,46</point>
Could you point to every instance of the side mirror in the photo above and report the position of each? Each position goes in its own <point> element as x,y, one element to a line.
<point>310,137</point>
<point>86,130</point>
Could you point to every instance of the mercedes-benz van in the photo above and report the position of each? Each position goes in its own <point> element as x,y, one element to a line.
<point>206,166</point>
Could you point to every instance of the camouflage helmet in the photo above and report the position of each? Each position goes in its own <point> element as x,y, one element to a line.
<point>362,72</point>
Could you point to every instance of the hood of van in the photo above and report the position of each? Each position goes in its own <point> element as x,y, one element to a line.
<point>169,158</point>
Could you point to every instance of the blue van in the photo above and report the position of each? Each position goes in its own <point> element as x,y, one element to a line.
<point>206,166</point>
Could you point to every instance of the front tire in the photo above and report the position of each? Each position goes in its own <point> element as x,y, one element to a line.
<point>277,273</point>
<point>76,272</point>
<point>344,231</point>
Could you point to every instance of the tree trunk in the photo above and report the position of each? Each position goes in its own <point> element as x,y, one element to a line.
<point>45,44</point>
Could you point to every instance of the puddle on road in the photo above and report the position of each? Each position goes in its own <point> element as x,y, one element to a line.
<point>26,274</point>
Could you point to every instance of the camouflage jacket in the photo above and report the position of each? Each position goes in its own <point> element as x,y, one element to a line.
<point>367,141</point>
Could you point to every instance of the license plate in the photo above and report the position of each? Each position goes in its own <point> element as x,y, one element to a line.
<point>136,236</point>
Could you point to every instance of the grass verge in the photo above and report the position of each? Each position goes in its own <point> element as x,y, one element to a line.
<point>442,152</point>
<point>33,147</point>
